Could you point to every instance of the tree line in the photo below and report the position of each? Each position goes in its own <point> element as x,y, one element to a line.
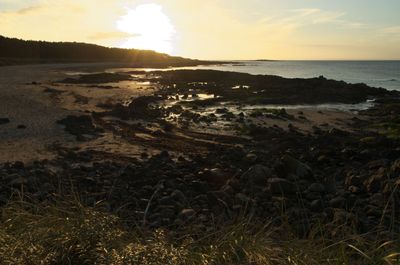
<point>42,51</point>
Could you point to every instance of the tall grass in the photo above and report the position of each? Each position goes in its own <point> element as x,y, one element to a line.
<point>66,232</point>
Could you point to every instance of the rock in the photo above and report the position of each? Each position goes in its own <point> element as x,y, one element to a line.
<point>336,132</point>
<point>18,181</point>
<point>228,189</point>
<point>256,175</point>
<point>317,205</point>
<point>353,180</point>
<point>203,218</point>
<point>166,212</point>
<point>242,198</point>
<point>4,121</point>
<point>234,183</point>
<point>97,78</point>
<point>187,214</point>
<point>215,177</point>
<point>199,186</point>
<point>88,182</point>
<point>80,126</point>
<point>281,186</point>
<point>18,165</point>
<point>219,195</point>
<point>355,189</point>
<point>251,158</point>
<point>337,202</point>
<point>166,200</point>
<point>322,159</point>
<point>316,187</point>
<point>316,130</point>
<point>163,154</point>
<point>178,195</point>
<point>221,111</point>
<point>292,168</point>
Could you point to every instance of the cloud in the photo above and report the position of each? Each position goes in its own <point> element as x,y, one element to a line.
<point>63,20</point>
<point>391,30</point>
<point>26,10</point>
<point>219,29</point>
<point>298,18</point>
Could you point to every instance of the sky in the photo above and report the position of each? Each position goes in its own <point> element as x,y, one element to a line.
<point>216,29</point>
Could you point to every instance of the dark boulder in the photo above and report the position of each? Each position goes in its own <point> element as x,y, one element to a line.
<point>291,168</point>
<point>279,186</point>
<point>4,121</point>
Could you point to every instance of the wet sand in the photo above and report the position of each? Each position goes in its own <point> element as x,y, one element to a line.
<point>30,96</point>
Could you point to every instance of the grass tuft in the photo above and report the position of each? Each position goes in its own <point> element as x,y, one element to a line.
<point>66,232</point>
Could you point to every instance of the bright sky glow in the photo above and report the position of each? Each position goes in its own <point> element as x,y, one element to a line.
<point>216,29</point>
<point>149,28</point>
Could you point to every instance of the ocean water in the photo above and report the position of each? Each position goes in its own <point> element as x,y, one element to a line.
<point>384,74</point>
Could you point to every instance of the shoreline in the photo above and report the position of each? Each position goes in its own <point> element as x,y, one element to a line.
<point>44,88</point>
<point>163,149</point>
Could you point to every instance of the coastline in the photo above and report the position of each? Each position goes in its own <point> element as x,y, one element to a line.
<point>176,149</point>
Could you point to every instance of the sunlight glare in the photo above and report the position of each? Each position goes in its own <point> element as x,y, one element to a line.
<point>150,27</point>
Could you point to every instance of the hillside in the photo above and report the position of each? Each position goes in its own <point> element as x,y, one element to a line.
<point>17,51</point>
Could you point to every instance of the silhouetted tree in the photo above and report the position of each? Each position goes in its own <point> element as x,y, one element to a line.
<point>41,51</point>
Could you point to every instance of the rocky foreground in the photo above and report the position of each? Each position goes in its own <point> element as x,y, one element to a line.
<point>210,155</point>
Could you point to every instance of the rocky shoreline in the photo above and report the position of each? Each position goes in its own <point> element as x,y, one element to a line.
<point>208,155</point>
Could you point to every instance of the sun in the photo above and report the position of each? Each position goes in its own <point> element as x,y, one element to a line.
<point>150,27</point>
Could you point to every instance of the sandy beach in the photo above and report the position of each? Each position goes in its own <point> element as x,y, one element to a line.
<point>34,102</point>
<point>31,100</point>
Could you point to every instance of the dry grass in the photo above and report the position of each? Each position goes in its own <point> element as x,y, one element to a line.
<point>65,232</point>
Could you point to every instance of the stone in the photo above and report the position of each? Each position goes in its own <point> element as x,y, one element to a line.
<point>317,187</point>
<point>355,189</point>
<point>166,212</point>
<point>178,196</point>
<point>256,175</point>
<point>354,180</point>
<point>292,168</point>
<point>251,158</point>
<point>4,121</point>
<point>281,186</point>
<point>166,200</point>
<point>242,198</point>
<point>337,202</point>
<point>88,181</point>
<point>317,205</point>
<point>18,165</point>
<point>336,132</point>
<point>234,183</point>
<point>199,186</point>
<point>18,181</point>
<point>187,214</point>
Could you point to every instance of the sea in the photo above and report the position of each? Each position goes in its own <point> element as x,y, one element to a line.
<point>385,74</point>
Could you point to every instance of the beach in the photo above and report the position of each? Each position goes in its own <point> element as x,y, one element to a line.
<point>33,99</point>
<point>201,148</point>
